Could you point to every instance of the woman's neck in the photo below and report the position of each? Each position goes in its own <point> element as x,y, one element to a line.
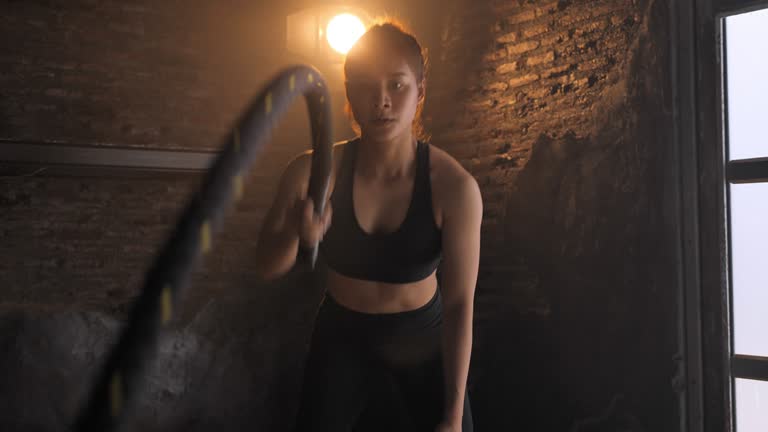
<point>386,159</point>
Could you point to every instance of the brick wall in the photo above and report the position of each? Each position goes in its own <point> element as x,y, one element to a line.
<point>561,110</point>
<point>132,74</point>
<point>527,69</point>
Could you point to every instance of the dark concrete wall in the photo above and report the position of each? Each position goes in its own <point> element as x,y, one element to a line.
<point>560,109</point>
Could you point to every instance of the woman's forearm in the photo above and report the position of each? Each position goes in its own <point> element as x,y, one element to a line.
<point>276,252</point>
<point>457,349</point>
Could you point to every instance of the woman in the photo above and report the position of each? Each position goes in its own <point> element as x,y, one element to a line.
<point>386,337</point>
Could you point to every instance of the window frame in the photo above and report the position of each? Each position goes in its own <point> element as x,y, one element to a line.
<point>739,171</point>
<point>707,173</point>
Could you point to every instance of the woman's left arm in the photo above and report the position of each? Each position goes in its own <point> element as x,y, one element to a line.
<point>462,217</point>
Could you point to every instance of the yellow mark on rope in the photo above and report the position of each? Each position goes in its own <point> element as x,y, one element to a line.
<point>311,78</point>
<point>269,103</point>
<point>116,394</point>
<point>237,184</point>
<point>205,237</point>
<point>167,306</point>
<point>293,82</point>
<point>237,140</point>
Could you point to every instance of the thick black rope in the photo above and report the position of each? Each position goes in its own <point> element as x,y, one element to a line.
<point>121,376</point>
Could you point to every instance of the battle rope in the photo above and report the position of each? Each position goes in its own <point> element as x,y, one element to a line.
<point>120,377</point>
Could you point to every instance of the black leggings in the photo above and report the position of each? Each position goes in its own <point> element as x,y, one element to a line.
<point>369,372</point>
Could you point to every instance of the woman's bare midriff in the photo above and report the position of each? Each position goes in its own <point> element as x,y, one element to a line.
<point>377,297</point>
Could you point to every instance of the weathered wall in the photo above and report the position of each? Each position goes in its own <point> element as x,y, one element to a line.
<point>561,110</point>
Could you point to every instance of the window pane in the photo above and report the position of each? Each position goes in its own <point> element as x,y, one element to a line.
<point>746,65</point>
<point>751,405</point>
<point>749,258</point>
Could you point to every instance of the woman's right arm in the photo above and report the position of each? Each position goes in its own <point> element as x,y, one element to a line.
<point>289,221</point>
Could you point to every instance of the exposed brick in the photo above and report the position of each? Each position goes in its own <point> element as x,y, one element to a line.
<point>557,71</point>
<point>522,47</point>
<point>556,38</point>
<point>534,30</point>
<point>521,17</point>
<point>506,68</point>
<point>497,87</point>
<point>523,80</point>
<point>565,32</point>
<point>539,92</point>
<point>507,38</point>
<point>540,59</point>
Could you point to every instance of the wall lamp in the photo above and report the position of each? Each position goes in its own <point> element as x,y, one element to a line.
<point>324,34</point>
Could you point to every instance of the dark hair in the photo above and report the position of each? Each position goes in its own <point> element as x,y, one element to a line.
<point>392,34</point>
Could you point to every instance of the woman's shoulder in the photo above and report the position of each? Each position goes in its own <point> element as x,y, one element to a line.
<point>445,171</point>
<point>299,168</point>
<point>452,185</point>
<point>303,160</point>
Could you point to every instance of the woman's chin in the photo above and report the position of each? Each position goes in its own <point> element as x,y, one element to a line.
<point>382,132</point>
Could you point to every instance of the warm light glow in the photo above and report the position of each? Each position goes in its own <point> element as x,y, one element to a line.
<point>343,31</point>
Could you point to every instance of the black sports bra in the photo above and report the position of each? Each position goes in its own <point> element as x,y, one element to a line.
<point>409,254</point>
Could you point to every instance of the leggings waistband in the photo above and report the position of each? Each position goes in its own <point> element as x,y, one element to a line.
<point>428,316</point>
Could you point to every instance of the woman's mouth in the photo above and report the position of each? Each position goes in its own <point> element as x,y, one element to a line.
<point>383,121</point>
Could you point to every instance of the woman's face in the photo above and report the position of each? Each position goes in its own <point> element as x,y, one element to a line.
<point>384,93</point>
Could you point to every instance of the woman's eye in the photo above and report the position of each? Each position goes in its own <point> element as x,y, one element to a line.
<point>396,85</point>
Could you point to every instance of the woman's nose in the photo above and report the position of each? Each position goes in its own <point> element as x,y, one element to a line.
<point>381,98</point>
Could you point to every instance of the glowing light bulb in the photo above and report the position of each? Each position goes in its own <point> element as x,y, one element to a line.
<point>343,31</point>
